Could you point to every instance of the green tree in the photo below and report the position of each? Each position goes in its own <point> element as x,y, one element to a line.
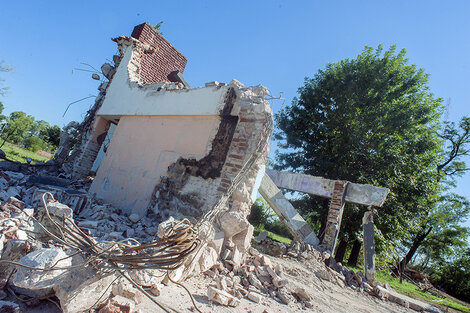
<point>447,210</point>
<point>18,125</point>
<point>369,120</point>
<point>52,136</point>
<point>454,275</point>
<point>34,143</point>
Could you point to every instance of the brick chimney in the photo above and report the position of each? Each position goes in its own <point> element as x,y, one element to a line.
<point>157,66</point>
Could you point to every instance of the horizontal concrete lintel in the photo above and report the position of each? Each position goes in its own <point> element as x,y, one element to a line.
<point>356,193</point>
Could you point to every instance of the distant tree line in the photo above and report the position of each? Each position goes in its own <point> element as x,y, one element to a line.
<point>22,129</point>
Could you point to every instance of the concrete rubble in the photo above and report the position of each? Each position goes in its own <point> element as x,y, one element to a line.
<point>252,276</point>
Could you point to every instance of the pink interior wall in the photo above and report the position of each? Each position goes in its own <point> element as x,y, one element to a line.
<point>140,152</point>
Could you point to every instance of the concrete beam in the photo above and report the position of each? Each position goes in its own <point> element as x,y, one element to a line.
<point>286,212</point>
<point>357,193</point>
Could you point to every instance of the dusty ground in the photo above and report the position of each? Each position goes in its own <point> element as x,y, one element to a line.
<point>326,296</point>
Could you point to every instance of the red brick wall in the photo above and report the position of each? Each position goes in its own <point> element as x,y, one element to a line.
<point>155,67</point>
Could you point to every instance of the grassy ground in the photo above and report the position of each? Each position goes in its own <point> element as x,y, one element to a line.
<point>19,154</point>
<point>273,236</point>
<point>413,291</point>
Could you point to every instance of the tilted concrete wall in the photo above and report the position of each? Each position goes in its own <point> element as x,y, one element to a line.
<point>140,152</point>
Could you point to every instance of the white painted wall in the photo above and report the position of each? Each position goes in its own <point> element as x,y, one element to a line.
<point>125,97</point>
<point>140,152</point>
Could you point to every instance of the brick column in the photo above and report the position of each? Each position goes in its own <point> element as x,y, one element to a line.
<point>335,213</point>
<point>89,149</point>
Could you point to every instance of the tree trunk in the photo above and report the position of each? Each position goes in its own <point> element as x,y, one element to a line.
<point>354,253</point>
<point>414,247</point>
<point>339,256</point>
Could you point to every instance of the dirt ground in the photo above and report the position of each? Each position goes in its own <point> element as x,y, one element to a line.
<point>326,296</point>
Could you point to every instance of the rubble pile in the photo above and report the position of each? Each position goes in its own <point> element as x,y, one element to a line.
<point>326,268</point>
<point>255,279</point>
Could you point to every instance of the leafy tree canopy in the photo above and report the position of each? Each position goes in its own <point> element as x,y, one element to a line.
<point>369,120</point>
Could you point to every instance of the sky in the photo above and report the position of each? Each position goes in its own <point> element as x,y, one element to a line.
<point>273,43</point>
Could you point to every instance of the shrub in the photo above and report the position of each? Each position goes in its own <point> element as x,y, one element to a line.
<point>34,144</point>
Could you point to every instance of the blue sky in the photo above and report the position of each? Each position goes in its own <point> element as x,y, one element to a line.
<point>275,43</point>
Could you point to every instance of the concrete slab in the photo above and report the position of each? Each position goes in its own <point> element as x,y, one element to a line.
<point>357,193</point>
<point>286,212</point>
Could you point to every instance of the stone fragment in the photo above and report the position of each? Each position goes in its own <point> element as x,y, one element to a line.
<point>175,275</point>
<point>124,304</point>
<point>222,297</point>
<point>14,250</point>
<point>35,283</point>
<point>284,297</point>
<point>323,273</point>
<point>124,290</point>
<point>359,279</point>
<point>208,258</point>
<point>302,294</point>
<point>232,223</point>
<point>221,283</point>
<point>18,203</point>
<point>3,295</point>
<point>213,83</point>
<point>261,236</point>
<point>155,290</point>
<point>82,290</point>
<point>255,282</point>
<point>9,307</point>
<point>253,251</point>
<point>266,261</point>
<point>88,224</point>
<point>130,232</point>
<point>108,70</point>
<point>255,297</point>
<point>134,217</point>
<point>115,235</point>
<point>165,226</point>
<point>218,241</point>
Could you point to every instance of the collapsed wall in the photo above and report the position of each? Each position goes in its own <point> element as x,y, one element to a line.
<point>176,152</point>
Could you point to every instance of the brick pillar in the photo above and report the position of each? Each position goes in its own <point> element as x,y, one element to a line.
<point>90,148</point>
<point>335,213</point>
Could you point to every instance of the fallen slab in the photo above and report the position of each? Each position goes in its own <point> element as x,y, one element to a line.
<point>286,212</point>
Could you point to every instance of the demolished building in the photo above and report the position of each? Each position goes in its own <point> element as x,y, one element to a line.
<point>159,154</point>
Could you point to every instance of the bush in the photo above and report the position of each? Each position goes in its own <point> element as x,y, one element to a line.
<point>278,227</point>
<point>258,215</point>
<point>34,144</point>
<point>262,216</point>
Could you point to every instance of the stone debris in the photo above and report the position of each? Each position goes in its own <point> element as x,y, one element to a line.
<point>221,297</point>
<point>9,307</point>
<point>251,275</point>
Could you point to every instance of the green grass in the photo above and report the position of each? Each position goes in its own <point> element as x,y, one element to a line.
<point>273,236</point>
<point>19,154</point>
<point>413,291</point>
